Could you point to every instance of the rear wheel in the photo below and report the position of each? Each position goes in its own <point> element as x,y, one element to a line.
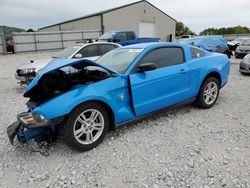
<point>86,127</point>
<point>209,93</point>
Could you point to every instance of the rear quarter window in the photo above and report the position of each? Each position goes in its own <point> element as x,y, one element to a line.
<point>196,53</point>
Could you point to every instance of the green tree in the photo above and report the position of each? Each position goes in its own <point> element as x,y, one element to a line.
<point>181,29</point>
<point>228,30</point>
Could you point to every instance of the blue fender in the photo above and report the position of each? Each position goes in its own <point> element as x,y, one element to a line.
<point>113,92</point>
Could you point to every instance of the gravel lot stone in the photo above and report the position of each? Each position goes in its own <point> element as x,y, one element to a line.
<point>186,147</point>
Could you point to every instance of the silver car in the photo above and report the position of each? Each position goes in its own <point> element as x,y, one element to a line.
<point>235,43</point>
<point>26,72</point>
<point>245,64</point>
<point>243,49</point>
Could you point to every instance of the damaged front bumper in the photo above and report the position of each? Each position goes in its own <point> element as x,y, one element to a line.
<point>27,127</point>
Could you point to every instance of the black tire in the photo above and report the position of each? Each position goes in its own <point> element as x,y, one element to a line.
<point>201,102</point>
<point>69,128</point>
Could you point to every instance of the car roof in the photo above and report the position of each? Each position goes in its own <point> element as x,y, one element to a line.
<point>85,44</point>
<point>120,31</point>
<point>151,45</point>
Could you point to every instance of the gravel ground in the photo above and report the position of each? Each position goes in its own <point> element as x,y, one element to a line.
<point>186,147</point>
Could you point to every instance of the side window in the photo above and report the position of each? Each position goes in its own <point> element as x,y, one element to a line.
<point>121,36</point>
<point>195,53</point>
<point>89,51</point>
<point>130,36</point>
<point>164,57</point>
<point>104,48</point>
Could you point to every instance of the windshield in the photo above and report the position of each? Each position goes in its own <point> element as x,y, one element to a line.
<point>119,59</point>
<point>67,52</point>
<point>246,43</point>
<point>106,36</point>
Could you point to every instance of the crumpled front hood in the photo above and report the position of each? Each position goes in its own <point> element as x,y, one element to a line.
<point>60,63</point>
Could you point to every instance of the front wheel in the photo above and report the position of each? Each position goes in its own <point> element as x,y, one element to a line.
<point>209,93</point>
<point>86,127</point>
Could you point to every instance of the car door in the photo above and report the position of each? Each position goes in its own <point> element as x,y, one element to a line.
<point>90,52</point>
<point>167,85</point>
<point>121,37</point>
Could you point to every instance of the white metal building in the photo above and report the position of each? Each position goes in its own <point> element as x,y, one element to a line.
<point>144,18</point>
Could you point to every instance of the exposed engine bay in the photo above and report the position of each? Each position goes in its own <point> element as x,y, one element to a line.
<point>57,78</point>
<point>64,79</point>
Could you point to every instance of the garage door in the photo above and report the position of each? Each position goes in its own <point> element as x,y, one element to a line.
<point>147,29</point>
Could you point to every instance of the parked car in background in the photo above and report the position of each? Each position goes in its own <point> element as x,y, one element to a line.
<point>211,44</point>
<point>235,43</point>
<point>242,49</point>
<point>10,47</point>
<point>187,36</point>
<point>124,85</point>
<point>183,37</point>
<point>26,72</point>
<point>245,65</point>
<point>125,38</point>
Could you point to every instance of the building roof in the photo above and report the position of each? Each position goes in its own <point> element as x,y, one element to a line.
<point>106,11</point>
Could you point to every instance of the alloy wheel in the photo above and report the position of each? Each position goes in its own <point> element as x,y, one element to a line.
<point>210,93</point>
<point>88,126</point>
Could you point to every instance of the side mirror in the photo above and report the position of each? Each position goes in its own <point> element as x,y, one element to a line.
<point>78,56</point>
<point>146,67</point>
<point>117,40</point>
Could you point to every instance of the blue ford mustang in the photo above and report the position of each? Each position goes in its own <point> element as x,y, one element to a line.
<point>86,99</point>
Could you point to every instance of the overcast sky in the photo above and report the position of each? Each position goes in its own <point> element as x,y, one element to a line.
<point>197,14</point>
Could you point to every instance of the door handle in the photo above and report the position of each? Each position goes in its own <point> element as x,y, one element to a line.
<point>183,71</point>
